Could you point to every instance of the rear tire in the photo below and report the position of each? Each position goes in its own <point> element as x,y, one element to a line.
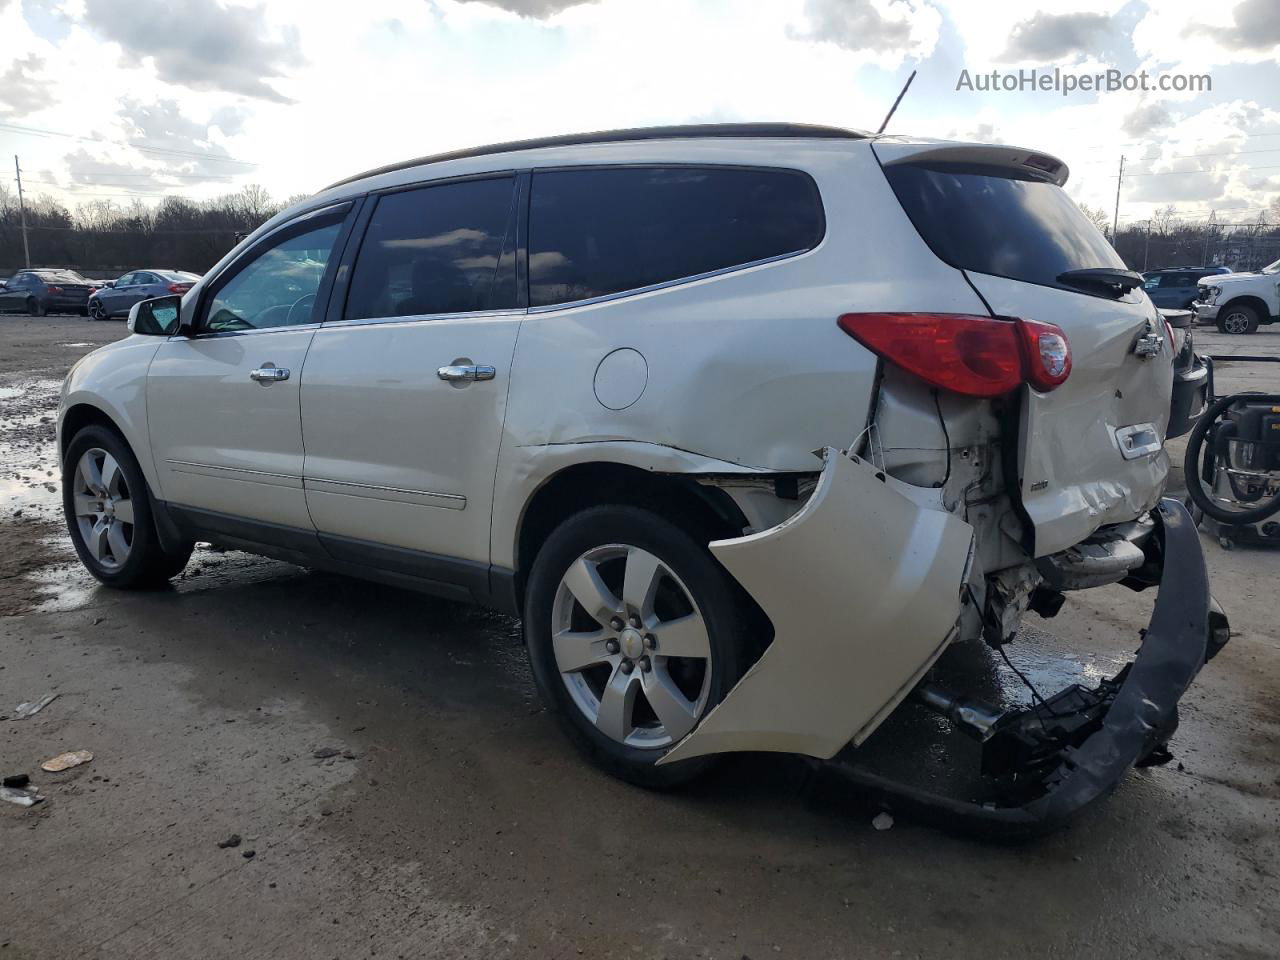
<point>1238,319</point>
<point>684,589</point>
<point>35,308</point>
<point>108,510</point>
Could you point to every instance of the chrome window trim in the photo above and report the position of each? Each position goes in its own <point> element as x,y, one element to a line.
<point>514,312</point>
<point>666,284</point>
<point>244,333</point>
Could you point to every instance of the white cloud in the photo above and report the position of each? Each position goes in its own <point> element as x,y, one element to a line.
<point>1196,35</point>
<point>392,79</point>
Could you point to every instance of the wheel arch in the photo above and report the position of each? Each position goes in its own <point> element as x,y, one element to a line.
<point>86,411</point>
<point>1248,300</point>
<point>707,511</point>
<point>79,416</point>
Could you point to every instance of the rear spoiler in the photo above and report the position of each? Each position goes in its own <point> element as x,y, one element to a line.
<point>1025,163</point>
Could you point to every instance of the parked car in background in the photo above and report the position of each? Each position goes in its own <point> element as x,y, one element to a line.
<point>42,291</point>
<point>1240,302</point>
<point>477,334</point>
<point>1174,288</point>
<point>116,299</point>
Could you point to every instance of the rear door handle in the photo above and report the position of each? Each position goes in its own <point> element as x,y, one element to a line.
<point>269,373</point>
<point>466,372</point>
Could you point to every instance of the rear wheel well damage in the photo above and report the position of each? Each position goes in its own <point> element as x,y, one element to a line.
<point>705,511</point>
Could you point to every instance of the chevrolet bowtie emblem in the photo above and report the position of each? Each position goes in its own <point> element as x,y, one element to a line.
<point>1149,344</point>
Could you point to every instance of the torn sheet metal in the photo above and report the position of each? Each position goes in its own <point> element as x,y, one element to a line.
<point>863,589</point>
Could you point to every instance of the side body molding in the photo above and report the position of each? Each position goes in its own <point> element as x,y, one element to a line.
<point>863,588</point>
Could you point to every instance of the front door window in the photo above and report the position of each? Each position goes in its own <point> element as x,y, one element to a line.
<point>275,289</point>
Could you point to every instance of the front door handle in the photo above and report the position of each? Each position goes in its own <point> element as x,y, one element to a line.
<point>269,373</point>
<point>466,372</point>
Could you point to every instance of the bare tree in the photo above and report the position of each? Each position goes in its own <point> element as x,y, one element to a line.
<point>1097,216</point>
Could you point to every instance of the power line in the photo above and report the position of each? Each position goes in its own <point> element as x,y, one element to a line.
<point>1187,156</point>
<point>41,132</point>
<point>124,187</point>
<point>173,176</point>
<point>1171,173</point>
<point>231,229</point>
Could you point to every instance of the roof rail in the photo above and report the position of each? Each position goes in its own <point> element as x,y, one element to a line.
<point>685,132</point>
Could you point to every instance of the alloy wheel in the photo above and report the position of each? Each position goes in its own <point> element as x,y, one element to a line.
<point>631,646</point>
<point>1235,323</point>
<point>103,508</point>
<point>96,310</point>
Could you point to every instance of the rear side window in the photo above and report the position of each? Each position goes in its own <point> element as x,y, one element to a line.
<point>601,230</point>
<point>437,249</point>
<point>978,220</point>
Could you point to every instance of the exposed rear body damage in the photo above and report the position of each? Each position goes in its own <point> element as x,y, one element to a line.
<point>833,673</point>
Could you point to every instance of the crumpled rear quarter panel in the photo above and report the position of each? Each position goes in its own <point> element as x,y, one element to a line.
<point>863,589</point>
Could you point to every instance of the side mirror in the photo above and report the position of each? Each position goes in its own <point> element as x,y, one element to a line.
<point>156,318</point>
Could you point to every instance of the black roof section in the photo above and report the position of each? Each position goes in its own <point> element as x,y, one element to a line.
<point>685,132</point>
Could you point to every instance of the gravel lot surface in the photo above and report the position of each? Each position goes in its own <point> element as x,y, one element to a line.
<point>398,792</point>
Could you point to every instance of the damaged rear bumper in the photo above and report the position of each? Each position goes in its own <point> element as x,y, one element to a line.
<point>1122,722</point>
<point>875,599</point>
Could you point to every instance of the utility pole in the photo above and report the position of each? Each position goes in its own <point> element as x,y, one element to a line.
<point>1204,259</point>
<point>1146,247</point>
<point>1115,224</point>
<point>22,206</point>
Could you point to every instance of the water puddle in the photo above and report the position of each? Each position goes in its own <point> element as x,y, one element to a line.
<point>29,482</point>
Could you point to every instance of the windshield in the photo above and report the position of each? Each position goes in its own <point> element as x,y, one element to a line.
<point>1272,267</point>
<point>982,219</point>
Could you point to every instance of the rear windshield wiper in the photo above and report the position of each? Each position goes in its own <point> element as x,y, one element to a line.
<point>1109,278</point>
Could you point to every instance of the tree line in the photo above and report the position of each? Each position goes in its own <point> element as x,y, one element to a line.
<point>1167,239</point>
<point>104,238</point>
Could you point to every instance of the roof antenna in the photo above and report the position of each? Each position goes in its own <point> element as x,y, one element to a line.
<point>889,115</point>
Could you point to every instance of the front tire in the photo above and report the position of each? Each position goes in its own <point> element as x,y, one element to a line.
<point>635,633</point>
<point>108,511</point>
<point>96,310</point>
<point>1238,319</point>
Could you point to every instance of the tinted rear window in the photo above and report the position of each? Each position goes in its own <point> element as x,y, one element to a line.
<point>602,230</point>
<point>61,276</point>
<point>437,249</point>
<point>1022,229</point>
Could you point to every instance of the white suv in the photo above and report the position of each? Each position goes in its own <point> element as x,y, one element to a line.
<point>1240,302</point>
<point>748,423</point>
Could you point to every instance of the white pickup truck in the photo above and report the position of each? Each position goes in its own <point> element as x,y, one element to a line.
<point>1240,302</point>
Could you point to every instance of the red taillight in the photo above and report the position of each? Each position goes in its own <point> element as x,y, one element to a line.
<point>1048,354</point>
<point>179,287</point>
<point>966,354</point>
<point>53,289</point>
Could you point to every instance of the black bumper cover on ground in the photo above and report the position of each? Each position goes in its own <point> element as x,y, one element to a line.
<point>1142,711</point>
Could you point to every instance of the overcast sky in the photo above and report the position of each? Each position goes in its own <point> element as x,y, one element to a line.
<point>166,94</point>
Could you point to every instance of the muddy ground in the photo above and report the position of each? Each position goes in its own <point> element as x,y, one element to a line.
<point>452,819</point>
